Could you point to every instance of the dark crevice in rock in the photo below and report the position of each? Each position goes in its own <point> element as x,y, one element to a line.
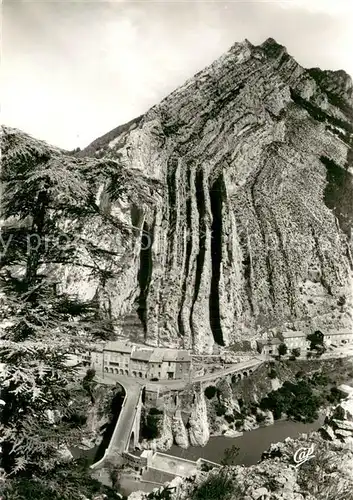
<point>320,115</point>
<point>144,274</point>
<point>136,214</point>
<point>246,266</point>
<point>187,252</point>
<point>338,194</point>
<point>171,175</point>
<point>216,198</point>
<point>200,199</point>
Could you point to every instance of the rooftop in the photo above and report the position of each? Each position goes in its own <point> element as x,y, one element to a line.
<point>340,332</point>
<point>183,356</point>
<point>170,354</point>
<point>141,355</point>
<point>293,334</point>
<point>157,356</point>
<point>273,341</point>
<point>118,346</point>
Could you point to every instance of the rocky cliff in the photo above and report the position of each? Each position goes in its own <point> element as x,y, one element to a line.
<point>253,230</point>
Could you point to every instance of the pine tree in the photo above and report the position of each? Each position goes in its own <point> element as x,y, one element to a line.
<point>47,195</point>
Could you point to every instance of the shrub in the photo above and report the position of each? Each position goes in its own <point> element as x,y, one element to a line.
<point>272,374</point>
<point>260,418</point>
<point>296,352</point>
<point>229,418</point>
<point>296,400</point>
<point>282,350</point>
<point>316,340</point>
<point>214,488</point>
<point>210,391</point>
<point>339,413</point>
<point>155,411</point>
<point>220,410</point>
<point>150,428</point>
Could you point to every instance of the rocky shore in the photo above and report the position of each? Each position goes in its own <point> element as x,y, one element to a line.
<point>327,474</point>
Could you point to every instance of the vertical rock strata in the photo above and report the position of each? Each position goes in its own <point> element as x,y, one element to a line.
<point>254,230</point>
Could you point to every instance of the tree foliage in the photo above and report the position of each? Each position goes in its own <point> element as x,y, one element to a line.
<point>282,350</point>
<point>48,195</point>
<point>316,340</point>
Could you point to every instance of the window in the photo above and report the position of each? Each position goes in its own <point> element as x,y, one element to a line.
<point>159,366</point>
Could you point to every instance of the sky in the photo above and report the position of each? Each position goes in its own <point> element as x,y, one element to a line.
<point>73,70</point>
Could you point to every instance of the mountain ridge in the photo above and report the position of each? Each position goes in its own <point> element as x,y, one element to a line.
<point>253,232</point>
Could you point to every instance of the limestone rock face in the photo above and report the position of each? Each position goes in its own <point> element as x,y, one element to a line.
<point>179,431</point>
<point>199,433</point>
<point>339,423</point>
<point>252,231</point>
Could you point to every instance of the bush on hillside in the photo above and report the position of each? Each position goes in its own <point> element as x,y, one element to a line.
<point>210,391</point>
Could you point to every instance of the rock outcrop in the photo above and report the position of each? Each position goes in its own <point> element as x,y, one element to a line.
<point>199,433</point>
<point>255,154</point>
<point>251,225</point>
<point>338,425</point>
<point>327,474</point>
<point>179,431</point>
<point>165,439</point>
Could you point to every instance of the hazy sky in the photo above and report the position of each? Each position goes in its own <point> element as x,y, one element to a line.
<point>72,71</point>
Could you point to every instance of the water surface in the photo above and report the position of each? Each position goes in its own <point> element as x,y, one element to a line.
<point>251,444</point>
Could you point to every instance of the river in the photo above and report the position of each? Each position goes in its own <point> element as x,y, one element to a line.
<point>251,444</point>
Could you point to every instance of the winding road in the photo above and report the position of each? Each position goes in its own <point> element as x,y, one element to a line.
<point>120,439</point>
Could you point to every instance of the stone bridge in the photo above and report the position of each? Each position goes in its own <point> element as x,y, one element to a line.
<point>127,429</point>
<point>126,433</point>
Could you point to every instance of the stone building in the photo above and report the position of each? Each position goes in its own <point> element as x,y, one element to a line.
<point>269,346</point>
<point>155,364</point>
<point>120,358</point>
<point>295,340</point>
<point>338,337</point>
<point>116,357</point>
<point>183,365</point>
<point>139,363</point>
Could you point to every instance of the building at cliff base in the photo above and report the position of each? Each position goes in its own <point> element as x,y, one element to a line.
<point>295,340</point>
<point>299,340</point>
<point>269,346</point>
<point>338,337</point>
<point>120,358</point>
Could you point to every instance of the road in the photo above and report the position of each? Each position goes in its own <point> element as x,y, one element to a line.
<point>119,441</point>
<point>121,435</point>
<point>179,384</point>
<point>208,377</point>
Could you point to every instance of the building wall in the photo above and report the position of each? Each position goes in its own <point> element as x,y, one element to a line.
<point>116,362</point>
<point>338,338</point>
<point>183,369</point>
<point>97,361</point>
<point>168,367</point>
<point>155,370</point>
<point>271,349</point>
<point>138,367</point>
<point>296,342</point>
